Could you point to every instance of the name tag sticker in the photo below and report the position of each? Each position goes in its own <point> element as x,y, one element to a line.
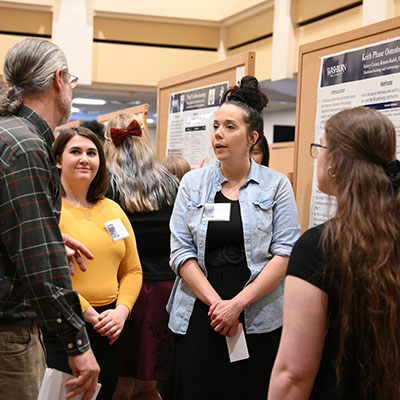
<point>237,346</point>
<point>116,229</point>
<point>217,212</point>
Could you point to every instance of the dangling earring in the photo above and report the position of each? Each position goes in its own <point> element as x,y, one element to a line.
<point>330,174</point>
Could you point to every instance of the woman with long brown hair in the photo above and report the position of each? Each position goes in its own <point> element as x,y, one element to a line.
<point>341,324</point>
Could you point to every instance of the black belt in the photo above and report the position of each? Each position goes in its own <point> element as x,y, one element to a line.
<point>225,255</point>
<point>19,322</point>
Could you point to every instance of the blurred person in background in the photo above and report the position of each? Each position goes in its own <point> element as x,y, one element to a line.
<point>260,152</point>
<point>177,165</point>
<point>96,127</point>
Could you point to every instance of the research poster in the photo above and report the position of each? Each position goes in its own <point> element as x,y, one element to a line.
<point>190,123</point>
<point>366,76</point>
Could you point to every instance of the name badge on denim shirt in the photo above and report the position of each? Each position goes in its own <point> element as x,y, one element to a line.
<point>116,229</point>
<point>217,212</point>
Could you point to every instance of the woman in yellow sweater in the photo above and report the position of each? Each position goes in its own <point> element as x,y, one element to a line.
<point>110,286</point>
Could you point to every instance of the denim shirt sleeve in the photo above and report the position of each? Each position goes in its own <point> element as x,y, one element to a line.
<point>182,241</point>
<point>285,223</point>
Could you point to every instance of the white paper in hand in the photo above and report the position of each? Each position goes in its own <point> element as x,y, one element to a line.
<point>237,346</point>
<point>53,386</point>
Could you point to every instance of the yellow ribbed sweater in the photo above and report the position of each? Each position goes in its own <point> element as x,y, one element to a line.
<point>115,272</point>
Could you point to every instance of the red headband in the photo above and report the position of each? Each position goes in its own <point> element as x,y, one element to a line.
<point>118,136</point>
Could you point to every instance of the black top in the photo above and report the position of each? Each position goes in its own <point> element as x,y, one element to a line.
<point>307,262</point>
<point>225,259</point>
<point>153,241</point>
<point>221,233</point>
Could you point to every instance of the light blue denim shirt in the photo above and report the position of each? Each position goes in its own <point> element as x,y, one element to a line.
<point>270,227</point>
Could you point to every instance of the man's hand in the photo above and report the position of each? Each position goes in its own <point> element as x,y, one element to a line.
<point>86,372</point>
<point>74,250</point>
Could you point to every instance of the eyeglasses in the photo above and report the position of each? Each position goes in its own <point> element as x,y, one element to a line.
<point>73,80</point>
<point>315,149</point>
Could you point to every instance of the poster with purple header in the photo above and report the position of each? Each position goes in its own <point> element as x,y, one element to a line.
<point>367,76</point>
<point>190,123</point>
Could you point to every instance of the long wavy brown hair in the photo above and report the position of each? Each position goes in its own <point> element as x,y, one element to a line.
<point>361,245</point>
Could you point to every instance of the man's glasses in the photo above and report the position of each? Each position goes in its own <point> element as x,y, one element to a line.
<point>73,80</point>
<point>315,149</point>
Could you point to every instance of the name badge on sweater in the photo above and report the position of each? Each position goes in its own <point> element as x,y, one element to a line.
<point>116,229</point>
<point>217,212</point>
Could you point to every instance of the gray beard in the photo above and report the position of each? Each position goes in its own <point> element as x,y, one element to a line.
<point>65,108</point>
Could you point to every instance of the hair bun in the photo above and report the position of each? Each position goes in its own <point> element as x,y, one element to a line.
<point>247,92</point>
<point>249,81</point>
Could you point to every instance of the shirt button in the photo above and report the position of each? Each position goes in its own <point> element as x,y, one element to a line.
<point>79,342</point>
<point>201,245</point>
<point>59,320</point>
<point>70,346</point>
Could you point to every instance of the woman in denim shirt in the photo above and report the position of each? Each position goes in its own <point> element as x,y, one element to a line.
<point>232,230</point>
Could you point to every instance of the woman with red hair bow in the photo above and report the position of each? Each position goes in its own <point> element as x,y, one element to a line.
<point>146,191</point>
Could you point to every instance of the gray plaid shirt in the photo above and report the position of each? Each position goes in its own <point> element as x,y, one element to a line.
<point>35,278</point>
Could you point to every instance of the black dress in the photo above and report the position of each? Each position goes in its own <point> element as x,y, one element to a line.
<point>201,365</point>
<point>147,345</point>
<point>147,349</point>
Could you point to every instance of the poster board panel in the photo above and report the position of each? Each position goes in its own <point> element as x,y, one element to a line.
<point>71,124</point>
<point>140,109</point>
<point>281,157</point>
<point>309,71</point>
<point>222,71</point>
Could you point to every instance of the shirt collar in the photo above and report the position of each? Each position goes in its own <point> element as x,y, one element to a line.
<point>254,175</point>
<point>43,129</point>
<point>255,172</point>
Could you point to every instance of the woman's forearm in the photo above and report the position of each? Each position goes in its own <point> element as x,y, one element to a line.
<point>225,313</point>
<point>302,342</point>
<point>91,316</point>
<point>267,280</point>
<point>197,282</point>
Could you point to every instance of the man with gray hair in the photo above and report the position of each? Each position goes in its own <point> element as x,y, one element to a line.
<point>35,283</point>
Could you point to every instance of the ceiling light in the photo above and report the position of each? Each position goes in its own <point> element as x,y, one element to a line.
<point>89,102</point>
<point>75,109</point>
<point>150,120</point>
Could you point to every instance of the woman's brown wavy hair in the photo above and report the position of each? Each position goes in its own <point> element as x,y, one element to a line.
<point>361,245</point>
